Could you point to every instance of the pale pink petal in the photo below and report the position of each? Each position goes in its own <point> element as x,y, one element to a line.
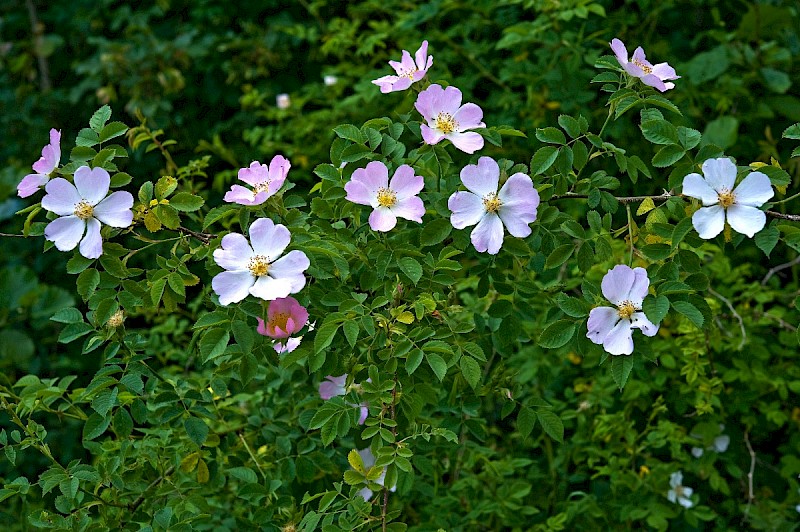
<point>92,243</point>
<point>332,386</point>
<point>640,321</point>
<point>709,221</point>
<point>232,286</point>
<point>669,85</point>
<point>720,173</point>
<point>664,71</point>
<point>242,196</point>
<point>407,63</point>
<point>638,55</point>
<point>30,184</point>
<point>754,190</point>
<point>654,81</point>
<point>482,178</point>
<point>620,51</point>
<point>430,135</point>
<point>373,177</point>
<point>386,83</point>
<point>466,209</point>
<point>292,264</point>
<point>488,234</point>
<point>92,184</point>
<point>269,239</point>
<point>617,283</point>
<point>261,328</point>
<point>620,339</point>
<point>421,56</point>
<point>290,345</point>
<point>410,209</point>
<point>519,201</point>
<point>634,70</point>
<point>358,192</point>
<point>367,457</point>
<point>51,154</point>
<point>449,101</point>
<point>469,116</point>
<point>696,187</point>
<point>364,413</point>
<point>601,321</point>
<point>746,220</point>
<point>278,170</point>
<point>405,184</point>
<point>115,210</point>
<point>234,252</point>
<point>365,493</point>
<point>640,287</point>
<point>256,173</point>
<point>469,142</point>
<point>65,232</point>
<point>61,197</point>
<point>427,102</point>
<point>382,219</point>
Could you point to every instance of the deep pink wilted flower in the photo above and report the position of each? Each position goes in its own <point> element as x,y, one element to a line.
<point>285,317</point>
<point>513,206</point>
<point>408,70</point>
<point>448,119</point>
<point>371,186</point>
<point>51,155</point>
<point>335,386</point>
<point>626,288</point>
<point>257,270</point>
<point>640,67</point>
<point>265,181</point>
<point>82,207</point>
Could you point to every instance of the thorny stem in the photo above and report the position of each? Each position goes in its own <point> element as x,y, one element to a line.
<point>394,433</point>
<point>205,238</point>
<point>630,232</point>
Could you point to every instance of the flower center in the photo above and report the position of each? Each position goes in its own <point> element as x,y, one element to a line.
<point>446,123</point>
<point>646,69</point>
<point>679,491</point>
<point>408,73</point>
<point>261,187</point>
<point>726,198</point>
<point>626,310</point>
<point>83,210</point>
<point>258,265</point>
<point>491,202</point>
<point>279,320</point>
<point>386,197</point>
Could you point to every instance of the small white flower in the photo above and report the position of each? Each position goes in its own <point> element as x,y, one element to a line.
<point>679,493</point>
<point>283,101</point>
<point>329,80</point>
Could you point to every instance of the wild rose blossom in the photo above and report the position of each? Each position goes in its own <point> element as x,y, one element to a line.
<point>626,288</point>
<point>51,155</point>
<point>513,206</point>
<point>335,386</point>
<point>679,493</point>
<point>389,200</point>
<point>448,119</point>
<point>408,70</point>
<point>640,67</point>
<point>283,101</point>
<point>369,460</point>
<point>83,208</point>
<point>721,201</point>
<point>265,180</point>
<point>258,270</point>
<point>719,445</point>
<point>285,317</point>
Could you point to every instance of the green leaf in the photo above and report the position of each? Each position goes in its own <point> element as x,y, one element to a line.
<point>660,132</point>
<point>689,138</point>
<point>551,424</point>
<point>526,419</point>
<point>437,364</point>
<point>543,159</point>
<point>557,334</point>
<point>196,429</point>
<point>471,370</point>
<point>350,132</point>
<point>112,130</point>
<point>351,332</point>
<point>105,401</point>
<point>328,172</point>
<point>690,311</point>
<point>792,132</point>
<point>655,308</point>
<point>668,155</point>
<point>87,282</point>
<point>185,202</point>
<point>559,256</point>
<point>413,360</point>
<point>435,232</point>
<point>99,118</point>
<point>95,426</point>
<point>411,268</point>
<point>766,239</point>
<point>657,251</point>
<point>213,343</point>
<point>325,335</point>
<point>551,134</point>
<point>683,228</point>
<point>245,474</point>
<point>570,125</point>
<point>67,315</point>
<point>621,366</point>
<point>572,306</point>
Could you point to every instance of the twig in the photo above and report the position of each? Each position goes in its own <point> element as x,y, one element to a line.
<point>135,505</point>
<point>622,199</point>
<point>735,315</point>
<point>750,496</point>
<point>394,432</point>
<point>37,29</point>
<point>205,238</point>
<point>14,236</point>
<point>790,217</point>
<point>776,269</point>
<point>255,460</point>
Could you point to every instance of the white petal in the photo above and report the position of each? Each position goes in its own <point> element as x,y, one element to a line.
<point>746,220</point>
<point>720,173</point>
<point>754,190</point>
<point>709,221</point>
<point>675,479</point>
<point>482,178</point>
<point>696,187</point>
<point>620,340</point>
<point>640,321</point>
<point>115,210</point>
<point>721,443</point>
<point>232,287</point>
<point>382,219</point>
<point>617,283</point>
<point>466,208</point>
<point>234,252</point>
<point>269,239</point>
<point>601,321</point>
<point>697,452</point>
<point>65,232</point>
<point>641,285</point>
<point>488,234</point>
<point>270,289</point>
<point>92,184</point>
<point>61,197</point>
<point>92,243</point>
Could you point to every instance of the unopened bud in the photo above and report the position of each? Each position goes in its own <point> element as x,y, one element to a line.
<point>116,319</point>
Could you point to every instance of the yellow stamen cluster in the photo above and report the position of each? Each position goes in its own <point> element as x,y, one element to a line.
<point>409,73</point>
<point>261,187</point>
<point>258,265</point>
<point>491,202</point>
<point>83,210</point>
<point>279,320</point>
<point>386,197</point>
<point>646,69</point>
<point>446,123</point>
<point>726,198</point>
<point>626,310</point>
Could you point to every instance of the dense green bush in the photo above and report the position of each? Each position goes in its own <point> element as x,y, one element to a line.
<point>492,408</point>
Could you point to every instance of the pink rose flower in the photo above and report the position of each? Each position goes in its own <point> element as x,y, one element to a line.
<point>285,317</point>
<point>448,119</point>
<point>640,67</point>
<point>265,181</point>
<point>398,199</point>
<point>408,70</point>
<point>51,155</point>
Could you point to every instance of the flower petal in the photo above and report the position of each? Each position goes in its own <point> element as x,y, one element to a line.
<point>427,103</point>
<point>332,386</point>
<point>469,116</point>
<point>601,321</point>
<point>709,221</point>
<point>234,252</point>
<point>696,187</point>
<point>254,174</point>
<point>639,289</point>
<point>466,209</point>
<point>754,190</point>
<point>618,47</point>
<point>640,321</point>
<point>357,192</point>
<point>291,267</point>
<point>620,340</point>
<point>364,413</point>
<point>373,177</point>
<point>720,173</point>
<point>405,184</point>
<point>65,232</point>
<point>448,101</point>
<point>92,243</point>
<point>278,170</point>
<point>617,283</point>
<point>746,220</point>
<point>654,81</point>
<point>61,197</point>
<point>242,196</point>
<point>430,135</point>
<point>410,209</point>
<point>92,184</point>
<point>232,286</point>
<point>51,154</point>
<point>519,203</point>
<point>269,288</point>
<point>269,239</point>
<point>382,219</point>
<point>115,210</point>
<point>468,142</point>
<point>482,178</point>
<point>421,56</point>
<point>664,71</point>
<point>31,183</point>
<point>488,234</point>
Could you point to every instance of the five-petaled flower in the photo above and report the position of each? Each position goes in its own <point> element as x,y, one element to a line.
<point>285,317</point>
<point>389,200</point>
<point>626,288</point>
<point>335,386</point>
<point>408,70</point>
<point>368,460</point>
<point>513,206</point>
<point>722,201</point>
<point>51,155</point>
<point>679,493</point>
<point>640,67</point>
<point>265,180</point>
<point>448,119</point>
<point>82,208</point>
<point>258,270</point>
